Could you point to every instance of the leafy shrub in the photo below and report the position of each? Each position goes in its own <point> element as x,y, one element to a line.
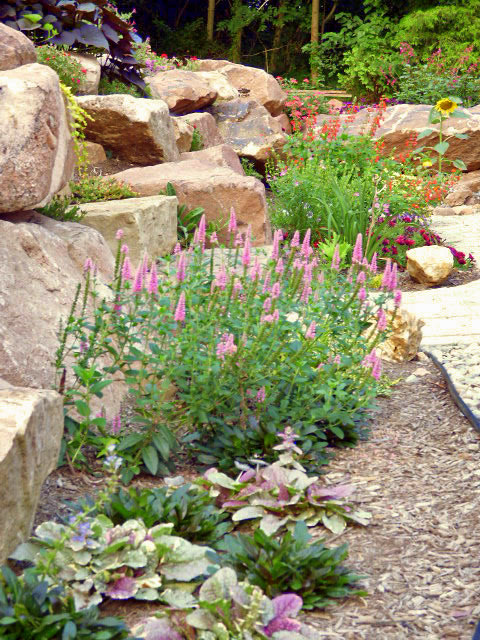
<point>289,351</point>
<point>249,169</point>
<point>95,559</point>
<point>114,86</point>
<point>188,508</point>
<point>99,189</point>
<point>31,608</point>
<point>228,609</point>
<point>197,140</point>
<point>187,220</point>
<point>69,70</point>
<point>93,26</point>
<point>291,563</point>
<point>60,208</point>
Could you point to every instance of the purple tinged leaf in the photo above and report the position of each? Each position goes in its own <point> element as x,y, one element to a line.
<point>329,493</point>
<point>281,624</point>
<point>122,589</point>
<point>233,503</point>
<point>288,604</point>
<point>283,493</point>
<point>246,476</point>
<point>160,629</point>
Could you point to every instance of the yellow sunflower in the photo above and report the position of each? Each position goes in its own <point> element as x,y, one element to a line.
<point>446,106</point>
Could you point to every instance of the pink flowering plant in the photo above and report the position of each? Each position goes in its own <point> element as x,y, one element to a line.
<point>228,346</point>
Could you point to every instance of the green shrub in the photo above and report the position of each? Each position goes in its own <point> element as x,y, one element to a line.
<point>69,70</point>
<point>115,86</point>
<point>197,141</point>
<point>99,189</point>
<point>60,208</point>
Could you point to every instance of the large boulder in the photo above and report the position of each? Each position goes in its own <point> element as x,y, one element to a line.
<point>137,130</point>
<point>214,188</point>
<point>183,134</point>
<point>15,49</point>
<point>95,153</point>
<point>219,83</point>
<point>42,264</point>
<point>183,91</point>
<point>211,65</point>
<point>429,265</point>
<point>91,72</point>
<point>206,126</point>
<point>249,128</point>
<point>258,85</point>
<point>403,342</point>
<point>400,122</point>
<point>149,224</point>
<point>31,429</point>
<point>36,149</point>
<point>223,155</point>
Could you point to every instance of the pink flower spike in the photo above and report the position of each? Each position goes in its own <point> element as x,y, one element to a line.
<point>295,240</point>
<point>276,242</point>
<point>138,284</point>
<point>153,282</point>
<point>260,397</point>
<point>181,267</point>
<point>266,283</point>
<point>358,249</point>
<point>116,424</point>
<point>119,234</point>
<point>393,277</point>
<point>310,334</point>
<point>361,277</point>
<point>267,305</point>
<point>226,346</point>
<point>238,240</point>
<point>321,278</point>
<point>256,270</point>
<point>214,238</point>
<point>306,249</point>
<point>377,369</point>
<point>246,256</point>
<point>124,249</point>
<point>307,290</point>
<point>336,259</point>
<point>373,263</point>
<point>365,263</point>
<point>397,298</point>
<point>276,290</point>
<point>126,269</point>
<point>232,223</point>
<point>145,265</point>
<point>386,274</point>
<point>381,320</point>
<point>362,294</point>
<point>180,310</point>
<point>276,315</point>
<point>202,232</point>
<point>279,267</point>
<point>178,249</point>
<point>336,359</point>
<point>221,279</point>
<point>88,265</point>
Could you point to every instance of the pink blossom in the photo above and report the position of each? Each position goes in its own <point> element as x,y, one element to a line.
<point>226,346</point>
<point>321,278</point>
<point>202,232</point>
<point>393,277</point>
<point>266,283</point>
<point>381,320</point>
<point>306,250</point>
<point>267,305</point>
<point>239,240</point>
<point>362,294</point>
<point>387,274</point>
<point>124,249</point>
<point>279,267</point>
<point>116,424</point>
<point>119,234</point>
<point>357,250</point>
<point>260,397</point>
<point>276,290</point>
<point>178,249</point>
<point>361,277</point>
<point>232,223</point>
<point>307,274</point>
<point>246,256</point>
<point>397,298</point>
<point>145,265</point>
<point>377,369</point>
<point>153,282</point>
<point>213,238</point>
<point>180,310</point>
<point>307,290</point>
<point>276,242</point>
<point>336,359</point>
<point>295,240</point>
<point>373,263</point>
<point>336,259</point>
<point>310,334</point>
<point>126,269</point>
<point>88,265</point>
<point>256,270</point>
<point>297,264</point>
<point>138,284</point>
<point>181,267</point>
<point>221,279</point>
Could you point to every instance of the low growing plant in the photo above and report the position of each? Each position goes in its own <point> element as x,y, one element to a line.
<point>114,86</point>
<point>99,189</point>
<point>70,72</point>
<point>32,608</point>
<point>197,140</point>
<point>291,563</point>
<point>60,208</point>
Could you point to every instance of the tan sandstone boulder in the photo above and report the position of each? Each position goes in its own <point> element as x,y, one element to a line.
<point>31,429</point>
<point>211,65</point>
<point>36,148</point>
<point>149,224</point>
<point>214,188</point>
<point>403,343</point>
<point>95,153</point>
<point>260,85</point>
<point>402,120</point>
<point>249,128</point>
<point>15,49</point>
<point>429,265</point>
<point>222,155</point>
<point>183,134</point>
<point>138,130</point>
<point>92,72</point>
<point>183,91</point>
<point>206,126</point>
<point>219,83</point>
<point>42,263</point>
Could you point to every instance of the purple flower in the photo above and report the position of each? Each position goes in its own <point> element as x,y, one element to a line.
<point>232,223</point>
<point>310,334</point>
<point>180,310</point>
<point>181,267</point>
<point>361,277</point>
<point>138,284</point>
<point>362,294</point>
<point>381,320</point>
<point>306,250</point>
<point>116,424</point>
<point>226,346</point>
<point>221,279</point>
<point>295,240</point>
<point>122,589</point>
<point>119,234</point>
<point>126,269</point>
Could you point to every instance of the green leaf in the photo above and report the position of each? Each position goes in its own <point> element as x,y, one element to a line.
<point>170,190</point>
<point>462,136</point>
<point>161,445</point>
<point>460,114</point>
<point>459,164</point>
<point>335,523</point>
<point>150,458</point>
<point>130,441</point>
<point>82,408</point>
<point>441,147</point>
<point>455,99</point>
<point>425,133</point>
<point>69,631</point>
<point>33,17</point>
<point>433,116</point>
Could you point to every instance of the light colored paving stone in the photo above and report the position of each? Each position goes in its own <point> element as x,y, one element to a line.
<point>463,232</point>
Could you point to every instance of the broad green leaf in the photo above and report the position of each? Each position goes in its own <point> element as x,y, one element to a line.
<point>33,17</point>
<point>455,99</point>
<point>218,587</point>
<point>425,133</point>
<point>462,136</point>
<point>247,513</point>
<point>459,164</point>
<point>441,147</point>
<point>335,523</point>
<point>161,445</point>
<point>460,114</point>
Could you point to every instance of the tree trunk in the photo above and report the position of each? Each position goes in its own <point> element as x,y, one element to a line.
<point>314,34</point>
<point>277,36</point>
<point>236,47</point>
<point>210,19</point>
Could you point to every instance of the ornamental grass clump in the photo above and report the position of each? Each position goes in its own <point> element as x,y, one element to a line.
<point>227,346</point>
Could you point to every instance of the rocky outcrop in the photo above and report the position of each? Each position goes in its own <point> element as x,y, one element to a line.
<point>15,49</point>
<point>403,120</point>
<point>249,128</point>
<point>258,85</point>
<point>31,429</point>
<point>222,156</point>
<point>91,72</point>
<point>137,130</point>
<point>183,91</point>
<point>218,82</point>
<point>206,126</point>
<point>149,224</point>
<point>36,148</point>
<point>42,263</point>
<point>214,188</point>
<point>183,134</point>
<point>430,265</point>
